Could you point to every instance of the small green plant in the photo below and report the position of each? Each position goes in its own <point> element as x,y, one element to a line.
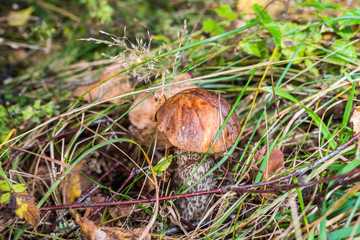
<point>15,115</point>
<point>218,27</point>
<point>99,9</point>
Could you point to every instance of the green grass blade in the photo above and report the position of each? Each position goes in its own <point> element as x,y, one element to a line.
<point>324,129</point>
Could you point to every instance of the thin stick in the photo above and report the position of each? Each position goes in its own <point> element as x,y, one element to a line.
<point>225,189</point>
<point>243,188</point>
<point>132,174</point>
<point>84,196</point>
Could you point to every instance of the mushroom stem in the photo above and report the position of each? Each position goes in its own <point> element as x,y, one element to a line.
<point>193,208</point>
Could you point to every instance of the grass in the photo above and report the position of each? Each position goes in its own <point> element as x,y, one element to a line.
<point>297,96</point>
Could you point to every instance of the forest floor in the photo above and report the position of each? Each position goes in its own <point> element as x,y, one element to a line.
<point>84,156</point>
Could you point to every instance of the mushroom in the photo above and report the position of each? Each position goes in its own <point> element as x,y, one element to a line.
<point>191,119</point>
<point>142,117</point>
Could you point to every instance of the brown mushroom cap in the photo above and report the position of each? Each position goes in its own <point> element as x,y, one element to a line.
<point>192,118</point>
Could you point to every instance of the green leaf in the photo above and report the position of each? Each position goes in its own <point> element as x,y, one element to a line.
<point>19,188</point>
<point>5,186</point>
<point>5,197</point>
<point>262,14</point>
<point>324,129</point>
<point>256,47</point>
<point>163,38</point>
<point>322,5</point>
<point>3,175</point>
<point>225,11</point>
<point>28,113</point>
<point>274,30</point>
<point>162,166</point>
<point>352,20</point>
<point>347,32</point>
<point>343,233</point>
<point>308,62</point>
<point>344,54</point>
<point>209,25</point>
<point>37,104</point>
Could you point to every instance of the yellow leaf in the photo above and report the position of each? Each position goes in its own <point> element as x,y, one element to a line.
<point>26,208</point>
<point>73,188</point>
<point>21,207</point>
<point>72,184</point>
<point>19,18</point>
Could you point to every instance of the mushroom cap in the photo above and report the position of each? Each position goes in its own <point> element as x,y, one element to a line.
<point>192,118</point>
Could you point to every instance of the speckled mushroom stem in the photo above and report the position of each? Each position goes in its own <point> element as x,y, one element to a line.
<point>193,208</point>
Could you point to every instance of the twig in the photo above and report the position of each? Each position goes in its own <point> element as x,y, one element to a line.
<point>301,171</point>
<point>243,188</point>
<point>132,174</point>
<point>84,196</point>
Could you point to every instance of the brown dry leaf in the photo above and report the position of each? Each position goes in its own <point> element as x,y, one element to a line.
<point>142,116</point>
<point>87,227</point>
<point>71,187</point>
<point>274,163</point>
<point>259,154</point>
<point>355,119</point>
<point>26,208</point>
<point>93,232</point>
<point>122,233</point>
<point>273,7</point>
<point>89,211</point>
<point>237,23</point>
<point>121,210</point>
<point>111,88</point>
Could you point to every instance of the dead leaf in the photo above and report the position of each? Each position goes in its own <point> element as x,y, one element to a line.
<point>89,211</point>
<point>355,119</point>
<point>71,187</point>
<point>26,208</point>
<point>237,23</point>
<point>17,199</point>
<point>122,233</point>
<point>111,88</point>
<point>142,116</point>
<point>121,210</point>
<point>93,232</point>
<point>274,163</point>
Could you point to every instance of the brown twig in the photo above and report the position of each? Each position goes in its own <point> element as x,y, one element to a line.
<point>132,174</point>
<point>243,188</point>
<point>84,196</point>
